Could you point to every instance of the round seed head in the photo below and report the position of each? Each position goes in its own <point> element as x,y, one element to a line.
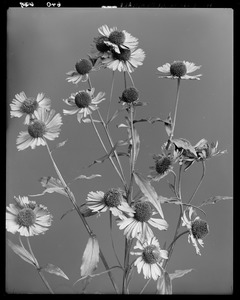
<point>124,55</point>
<point>26,217</point>
<point>143,211</point>
<point>82,99</point>
<point>112,198</point>
<point>36,129</point>
<point>162,165</point>
<point>83,66</point>
<point>151,254</point>
<point>117,37</point>
<point>130,95</point>
<point>29,106</point>
<point>178,69</point>
<point>199,229</point>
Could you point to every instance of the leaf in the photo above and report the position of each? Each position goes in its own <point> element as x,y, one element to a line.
<point>87,120</point>
<point>115,115</point>
<point>215,199</point>
<point>90,257</point>
<point>88,177</point>
<point>186,145</point>
<point>59,145</point>
<point>148,190</point>
<point>179,273</point>
<point>51,185</point>
<point>136,145</point>
<point>50,268</point>
<point>22,252</point>
<point>164,284</point>
<point>168,125</point>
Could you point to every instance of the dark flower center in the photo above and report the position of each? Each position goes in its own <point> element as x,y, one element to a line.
<point>36,129</point>
<point>178,69</point>
<point>100,45</point>
<point>112,198</point>
<point>29,106</point>
<point>199,229</point>
<point>26,217</point>
<point>124,55</point>
<point>82,99</point>
<point>151,254</point>
<point>162,165</point>
<point>117,37</point>
<point>143,211</point>
<point>130,95</point>
<point>83,66</point>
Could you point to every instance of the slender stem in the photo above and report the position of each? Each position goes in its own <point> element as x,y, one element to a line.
<point>131,78</point>
<point>110,219</point>
<point>45,281</point>
<point>74,203</point>
<point>175,114</point>
<point>111,93</point>
<point>145,286</point>
<point>100,139</point>
<point>111,143</point>
<point>125,80</point>
<point>30,249</point>
<point>201,179</point>
<point>177,237</point>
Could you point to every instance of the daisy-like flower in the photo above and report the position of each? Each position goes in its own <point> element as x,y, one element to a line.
<point>44,126</point>
<point>198,228</point>
<point>83,103</point>
<point>117,40</point>
<point>99,48</point>
<point>150,257</point>
<point>27,217</point>
<point>82,69</point>
<point>126,60</point>
<point>179,69</point>
<point>28,106</point>
<point>113,200</point>
<point>137,226</point>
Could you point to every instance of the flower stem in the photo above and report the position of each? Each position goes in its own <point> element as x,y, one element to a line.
<point>175,113</point>
<point>45,281</point>
<point>100,139</point>
<point>125,80</point>
<point>201,179</point>
<point>177,237</point>
<point>110,99</point>
<point>74,203</point>
<point>145,286</point>
<point>131,78</point>
<point>115,152</point>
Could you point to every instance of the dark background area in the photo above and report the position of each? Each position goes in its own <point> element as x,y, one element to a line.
<point>42,45</point>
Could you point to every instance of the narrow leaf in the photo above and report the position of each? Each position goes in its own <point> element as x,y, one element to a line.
<point>88,177</point>
<point>22,252</point>
<point>149,191</point>
<point>59,145</point>
<point>215,199</point>
<point>136,145</point>
<point>185,144</point>
<point>168,125</point>
<point>51,185</point>
<point>115,115</point>
<point>90,257</point>
<point>164,284</point>
<point>50,268</point>
<point>179,273</point>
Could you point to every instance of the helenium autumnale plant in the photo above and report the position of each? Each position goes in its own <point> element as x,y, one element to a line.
<point>134,207</point>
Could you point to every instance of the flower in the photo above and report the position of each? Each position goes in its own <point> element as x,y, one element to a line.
<point>163,165</point>
<point>82,68</point>
<point>44,126</point>
<point>179,69</point>
<point>150,257</point>
<point>99,48</point>
<point>83,102</point>
<point>117,39</point>
<point>113,200</point>
<point>137,226</point>
<point>126,60</point>
<point>23,105</point>
<point>27,217</point>
<point>130,95</point>
<point>198,228</point>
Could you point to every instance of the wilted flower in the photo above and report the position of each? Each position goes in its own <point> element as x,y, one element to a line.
<point>83,103</point>
<point>44,126</point>
<point>179,69</point>
<point>137,226</point>
<point>198,228</point>
<point>117,40</point>
<point>82,69</point>
<point>163,165</point>
<point>28,106</point>
<point>126,60</point>
<point>150,257</point>
<point>27,217</point>
<point>113,200</point>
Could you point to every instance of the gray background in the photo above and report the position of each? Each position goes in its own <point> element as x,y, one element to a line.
<point>44,44</point>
